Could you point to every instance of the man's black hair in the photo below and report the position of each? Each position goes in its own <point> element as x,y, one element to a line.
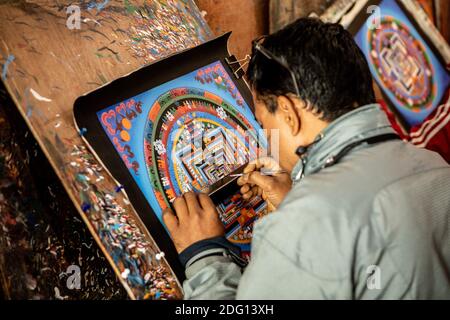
<point>331,71</point>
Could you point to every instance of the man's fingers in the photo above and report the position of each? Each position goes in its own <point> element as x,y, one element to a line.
<point>170,220</point>
<point>247,196</point>
<point>262,165</point>
<point>256,178</point>
<point>250,167</point>
<point>268,164</point>
<point>242,180</point>
<point>252,192</point>
<point>257,191</point>
<point>245,188</point>
<point>181,208</point>
<point>206,202</point>
<point>264,196</point>
<point>192,202</point>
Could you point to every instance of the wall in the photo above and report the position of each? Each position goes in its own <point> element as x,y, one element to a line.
<point>251,18</point>
<point>247,19</point>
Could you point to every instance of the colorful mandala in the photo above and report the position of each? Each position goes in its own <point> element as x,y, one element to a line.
<point>402,64</point>
<point>197,139</point>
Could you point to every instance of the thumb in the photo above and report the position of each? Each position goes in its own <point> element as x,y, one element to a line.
<point>170,220</point>
<point>268,164</point>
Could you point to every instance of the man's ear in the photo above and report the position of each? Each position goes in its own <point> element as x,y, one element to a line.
<point>289,114</point>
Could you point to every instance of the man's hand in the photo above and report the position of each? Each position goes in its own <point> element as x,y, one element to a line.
<point>196,220</point>
<point>273,188</point>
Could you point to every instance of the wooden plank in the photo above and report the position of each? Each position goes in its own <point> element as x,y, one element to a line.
<point>46,66</point>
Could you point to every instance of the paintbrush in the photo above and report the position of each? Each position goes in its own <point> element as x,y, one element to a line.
<point>264,173</point>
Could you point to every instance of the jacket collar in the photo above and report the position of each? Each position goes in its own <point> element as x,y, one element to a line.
<point>362,123</point>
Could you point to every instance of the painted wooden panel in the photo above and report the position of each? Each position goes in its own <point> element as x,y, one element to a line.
<point>46,251</point>
<point>46,66</point>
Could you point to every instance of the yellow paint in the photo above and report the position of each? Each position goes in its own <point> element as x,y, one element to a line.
<point>126,123</point>
<point>125,135</point>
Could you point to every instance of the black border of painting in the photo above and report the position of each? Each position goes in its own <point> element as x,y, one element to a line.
<point>150,76</point>
<point>362,17</point>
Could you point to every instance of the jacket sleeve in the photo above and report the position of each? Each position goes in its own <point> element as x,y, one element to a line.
<point>289,261</point>
<point>213,278</point>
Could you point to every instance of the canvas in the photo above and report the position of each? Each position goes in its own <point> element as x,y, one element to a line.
<point>185,135</point>
<point>403,62</point>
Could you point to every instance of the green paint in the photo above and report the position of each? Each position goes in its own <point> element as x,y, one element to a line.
<point>102,78</point>
<point>129,7</point>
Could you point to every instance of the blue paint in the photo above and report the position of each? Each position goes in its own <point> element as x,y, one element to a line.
<point>102,5</point>
<point>98,6</point>
<point>116,256</point>
<point>82,131</point>
<point>28,106</point>
<point>29,111</point>
<point>117,226</point>
<point>136,280</point>
<point>85,207</point>
<point>5,66</point>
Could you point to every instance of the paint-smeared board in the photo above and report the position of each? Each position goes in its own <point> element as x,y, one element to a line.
<point>46,251</point>
<point>46,66</point>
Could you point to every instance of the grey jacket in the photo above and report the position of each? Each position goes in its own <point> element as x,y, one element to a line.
<point>375,225</point>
